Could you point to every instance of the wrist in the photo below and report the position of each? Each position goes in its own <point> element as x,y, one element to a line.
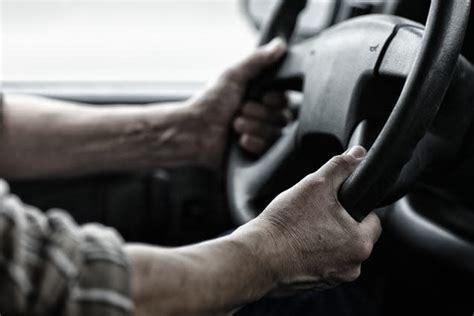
<point>229,268</point>
<point>187,135</point>
<point>261,250</point>
<point>207,133</point>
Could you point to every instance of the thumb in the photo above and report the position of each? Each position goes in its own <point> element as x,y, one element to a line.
<point>372,227</point>
<point>251,66</point>
<point>339,168</point>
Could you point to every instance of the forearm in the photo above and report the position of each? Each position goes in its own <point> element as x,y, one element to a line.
<point>48,138</point>
<point>205,279</point>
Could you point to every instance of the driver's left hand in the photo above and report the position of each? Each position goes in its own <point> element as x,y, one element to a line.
<point>221,105</point>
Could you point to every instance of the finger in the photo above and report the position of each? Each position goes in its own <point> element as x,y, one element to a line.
<point>339,168</point>
<point>275,100</point>
<point>260,59</point>
<point>253,127</point>
<point>252,144</point>
<point>261,112</point>
<point>372,227</point>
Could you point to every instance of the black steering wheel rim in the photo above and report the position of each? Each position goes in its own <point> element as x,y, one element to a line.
<point>414,112</point>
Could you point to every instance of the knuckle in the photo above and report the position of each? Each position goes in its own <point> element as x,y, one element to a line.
<point>314,182</point>
<point>342,161</point>
<point>364,249</point>
<point>240,126</point>
<point>238,129</point>
<point>353,274</point>
<point>244,141</point>
<point>337,161</point>
<point>251,143</point>
<point>238,121</point>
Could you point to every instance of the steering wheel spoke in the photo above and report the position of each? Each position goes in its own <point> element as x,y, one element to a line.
<point>290,75</point>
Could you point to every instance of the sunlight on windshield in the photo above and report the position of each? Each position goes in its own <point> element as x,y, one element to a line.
<point>139,40</point>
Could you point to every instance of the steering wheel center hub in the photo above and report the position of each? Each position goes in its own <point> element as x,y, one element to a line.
<point>340,61</point>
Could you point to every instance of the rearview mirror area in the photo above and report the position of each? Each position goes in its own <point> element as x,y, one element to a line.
<point>318,14</point>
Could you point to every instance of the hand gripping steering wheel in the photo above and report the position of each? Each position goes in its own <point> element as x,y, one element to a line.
<point>330,69</point>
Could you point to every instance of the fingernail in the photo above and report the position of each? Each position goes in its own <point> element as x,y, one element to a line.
<point>357,152</point>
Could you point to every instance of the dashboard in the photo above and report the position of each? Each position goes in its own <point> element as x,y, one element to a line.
<point>328,13</point>
<point>414,10</point>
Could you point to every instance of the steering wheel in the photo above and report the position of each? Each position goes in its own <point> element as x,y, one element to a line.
<point>330,70</point>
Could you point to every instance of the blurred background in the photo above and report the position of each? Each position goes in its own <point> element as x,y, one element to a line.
<point>121,40</point>
<point>143,40</point>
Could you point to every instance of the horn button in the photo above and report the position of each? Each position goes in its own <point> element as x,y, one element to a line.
<point>340,61</point>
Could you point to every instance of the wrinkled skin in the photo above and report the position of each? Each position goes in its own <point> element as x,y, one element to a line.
<point>303,239</point>
<point>316,243</point>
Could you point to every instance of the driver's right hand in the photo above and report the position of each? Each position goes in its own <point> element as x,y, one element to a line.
<point>306,238</point>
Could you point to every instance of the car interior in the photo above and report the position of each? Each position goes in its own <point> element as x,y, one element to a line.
<point>393,75</point>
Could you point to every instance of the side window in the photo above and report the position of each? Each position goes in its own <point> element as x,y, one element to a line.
<point>121,40</point>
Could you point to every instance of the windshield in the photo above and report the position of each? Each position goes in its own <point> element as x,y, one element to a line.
<point>123,40</point>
